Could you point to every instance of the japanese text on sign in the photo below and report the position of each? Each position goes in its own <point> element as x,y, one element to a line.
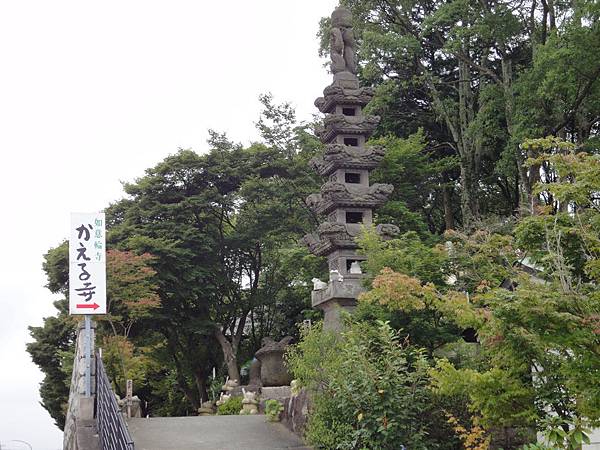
<point>87,264</point>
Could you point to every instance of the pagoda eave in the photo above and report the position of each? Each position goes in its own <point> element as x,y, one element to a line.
<point>337,95</point>
<point>339,156</point>
<point>338,124</point>
<point>324,207</point>
<point>326,168</point>
<point>323,246</point>
<point>335,194</point>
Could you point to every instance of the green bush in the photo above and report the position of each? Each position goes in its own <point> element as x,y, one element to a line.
<point>273,408</point>
<point>231,407</point>
<point>369,390</point>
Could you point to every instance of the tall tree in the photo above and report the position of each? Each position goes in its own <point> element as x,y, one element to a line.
<point>467,71</point>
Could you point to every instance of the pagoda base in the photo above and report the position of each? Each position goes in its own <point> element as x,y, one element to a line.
<point>338,296</point>
<point>346,80</point>
<point>332,310</point>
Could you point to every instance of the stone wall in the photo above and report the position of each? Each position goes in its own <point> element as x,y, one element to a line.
<point>295,412</point>
<point>81,408</point>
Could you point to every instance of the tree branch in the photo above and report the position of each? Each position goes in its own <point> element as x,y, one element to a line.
<point>480,68</point>
<point>580,98</point>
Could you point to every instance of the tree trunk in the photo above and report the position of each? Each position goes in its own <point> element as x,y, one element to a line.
<point>526,178</point>
<point>533,178</point>
<point>201,385</point>
<point>189,393</point>
<point>229,355</point>
<point>467,197</point>
<point>467,147</point>
<point>447,201</point>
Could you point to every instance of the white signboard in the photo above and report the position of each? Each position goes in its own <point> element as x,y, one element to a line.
<point>87,264</point>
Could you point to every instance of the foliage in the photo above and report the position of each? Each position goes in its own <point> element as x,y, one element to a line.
<point>122,363</point>
<point>369,389</point>
<point>416,172</point>
<point>231,407</point>
<point>479,78</point>
<point>474,438</point>
<point>531,301</point>
<point>273,408</point>
<point>566,435</point>
<point>53,350</point>
<point>408,254</point>
<point>540,336</point>
<point>432,318</point>
<point>131,290</point>
<point>496,394</point>
<point>410,290</point>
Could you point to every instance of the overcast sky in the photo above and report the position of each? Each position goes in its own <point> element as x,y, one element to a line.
<point>93,93</point>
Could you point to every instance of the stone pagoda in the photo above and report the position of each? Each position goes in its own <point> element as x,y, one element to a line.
<point>347,199</point>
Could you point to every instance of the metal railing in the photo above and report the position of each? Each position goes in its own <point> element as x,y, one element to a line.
<point>112,428</point>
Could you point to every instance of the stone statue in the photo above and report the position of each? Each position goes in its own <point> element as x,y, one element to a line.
<point>335,275</point>
<point>254,374</point>
<point>223,398</point>
<point>338,63</point>
<point>342,42</point>
<point>135,408</point>
<point>230,385</point>
<point>318,285</point>
<point>206,409</point>
<point>249,403</point>
<point>355,268</point>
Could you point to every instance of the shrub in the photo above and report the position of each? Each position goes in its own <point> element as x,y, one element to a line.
<point>231,407</point>
<point>369,390</point>
<point>273,408</point>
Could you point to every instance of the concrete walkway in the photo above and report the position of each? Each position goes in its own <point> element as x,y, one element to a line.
<point>212,433</point>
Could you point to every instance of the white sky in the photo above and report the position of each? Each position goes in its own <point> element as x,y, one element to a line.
<point>93,93</point>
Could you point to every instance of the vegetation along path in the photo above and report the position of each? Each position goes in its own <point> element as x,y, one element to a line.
<point>212,432</point>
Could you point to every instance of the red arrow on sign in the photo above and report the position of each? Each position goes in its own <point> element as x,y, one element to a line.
<point>93,306</point>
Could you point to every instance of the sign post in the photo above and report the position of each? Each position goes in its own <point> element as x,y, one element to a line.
<point>87,276</point>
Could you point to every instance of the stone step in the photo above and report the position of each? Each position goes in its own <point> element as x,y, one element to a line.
<point>212,433</point>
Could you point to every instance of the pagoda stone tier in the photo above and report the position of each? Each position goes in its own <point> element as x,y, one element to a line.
<point>347,199</point>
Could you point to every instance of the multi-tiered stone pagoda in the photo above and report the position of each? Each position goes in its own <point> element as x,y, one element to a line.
<point>347,199</point>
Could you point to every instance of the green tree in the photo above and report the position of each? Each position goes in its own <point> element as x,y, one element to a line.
<point>417,174</point>
<point>479,78</point>
<point>52,346</point>
<point>369,390</point>
<point>540,336</point>
<point>223,227</point>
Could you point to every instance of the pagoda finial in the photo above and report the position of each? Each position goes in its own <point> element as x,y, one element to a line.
<point>343,46</point>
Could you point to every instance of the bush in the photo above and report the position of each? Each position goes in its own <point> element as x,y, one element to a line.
<point>273,408</point>
<point>369,390</point>
<point>231,407</point>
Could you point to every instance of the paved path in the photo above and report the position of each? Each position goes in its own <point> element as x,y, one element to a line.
<point>212,433</point>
